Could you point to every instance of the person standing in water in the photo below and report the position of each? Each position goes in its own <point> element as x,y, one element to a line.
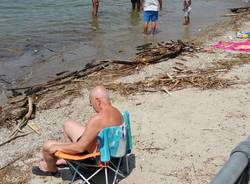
<point>95,5</point>
<point>136,5</point>
<point>151,10</point>
<point>187,11</point>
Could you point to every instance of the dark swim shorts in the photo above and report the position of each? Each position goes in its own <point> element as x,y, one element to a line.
<point>135,1</point>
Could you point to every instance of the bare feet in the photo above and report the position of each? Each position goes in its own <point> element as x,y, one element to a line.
<point>61,162</point>
<point>43,166</point>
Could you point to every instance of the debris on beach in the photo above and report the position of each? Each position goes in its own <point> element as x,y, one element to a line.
<point>182,78</point>
<point>240,9</point>
<point>68,84</point>
<point>149,53</point>
<point>45,95</point>
<point>17,130</point>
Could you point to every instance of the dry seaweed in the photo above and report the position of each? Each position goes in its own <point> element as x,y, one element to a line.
<point>208,78</point>
<point>51,92</point>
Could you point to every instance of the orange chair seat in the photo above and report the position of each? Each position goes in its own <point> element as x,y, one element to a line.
<point>76,157</point>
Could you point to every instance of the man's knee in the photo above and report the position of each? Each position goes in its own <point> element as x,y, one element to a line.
<point>47,145</point>
<point>67,125</point>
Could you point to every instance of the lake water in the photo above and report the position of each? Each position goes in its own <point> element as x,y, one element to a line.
<point>39,38</point>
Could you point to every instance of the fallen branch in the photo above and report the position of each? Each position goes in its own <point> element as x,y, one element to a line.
<point>14,137</point>
<point>20,125</point>
<point>11,162</point>
<point>240,9</point>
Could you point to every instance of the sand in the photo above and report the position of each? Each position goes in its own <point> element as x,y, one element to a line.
<point>180,138</point>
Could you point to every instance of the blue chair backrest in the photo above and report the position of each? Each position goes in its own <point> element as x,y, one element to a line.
<point>112,142</point>
<point>115,141</point>
<point>126,120</point>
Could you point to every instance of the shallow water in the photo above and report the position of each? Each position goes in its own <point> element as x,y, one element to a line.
<point>41,38</point>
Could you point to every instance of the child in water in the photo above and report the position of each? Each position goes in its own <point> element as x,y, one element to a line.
<point>187,11</point>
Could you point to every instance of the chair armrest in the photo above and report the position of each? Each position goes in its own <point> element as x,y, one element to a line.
<point>76,157</point>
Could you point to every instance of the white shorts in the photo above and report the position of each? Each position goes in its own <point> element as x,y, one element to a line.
<point>187,12</point>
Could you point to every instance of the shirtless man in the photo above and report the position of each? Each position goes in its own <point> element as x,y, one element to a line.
<point>81,138</point>
<point>95,5</point>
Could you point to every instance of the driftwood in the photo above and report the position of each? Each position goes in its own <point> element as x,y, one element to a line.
<point>50,92</point>
<point>18,128</point>
<point>153,54</point>
<point>208,78</point>
<point>14,137</point>
<point>11,162</point>
<point>240,9</point>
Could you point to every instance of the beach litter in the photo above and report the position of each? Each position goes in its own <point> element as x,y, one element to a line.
<point>241,35</point>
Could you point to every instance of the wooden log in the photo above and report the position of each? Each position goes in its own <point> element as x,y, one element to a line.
<point>240,9</point>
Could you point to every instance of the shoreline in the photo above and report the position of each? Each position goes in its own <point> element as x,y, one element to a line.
<point>29,69</point>
<point>176,123</point>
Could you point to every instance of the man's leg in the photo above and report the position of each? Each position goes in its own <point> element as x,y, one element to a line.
<point>153,27</point>
<point>188,18</point>
<point>95,5</point>
<point>138,5</point>
<point>49,163</point>
<point>72,132</point>
<point>146,18</point>
<point>154,18</point>
<point>145,28</point>
<point>133,2</point>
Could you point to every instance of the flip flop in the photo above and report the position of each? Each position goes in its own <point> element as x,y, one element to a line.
<point>62,165</point>
<point>37,171</point>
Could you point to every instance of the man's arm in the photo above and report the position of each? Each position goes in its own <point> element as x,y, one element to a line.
<point>89,135</point>
<point>160,2</point>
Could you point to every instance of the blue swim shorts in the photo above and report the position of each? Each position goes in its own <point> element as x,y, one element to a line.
<point>150,16</point>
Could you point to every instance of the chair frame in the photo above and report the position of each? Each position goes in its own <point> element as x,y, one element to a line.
<point>101,166</point>
<point>109,165</point>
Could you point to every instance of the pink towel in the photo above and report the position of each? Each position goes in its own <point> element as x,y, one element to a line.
<point>243,46</point>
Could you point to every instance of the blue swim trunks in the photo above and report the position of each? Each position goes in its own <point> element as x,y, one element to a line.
<point>150,16</point>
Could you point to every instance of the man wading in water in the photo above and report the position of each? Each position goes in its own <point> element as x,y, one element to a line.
<point>187,11</point>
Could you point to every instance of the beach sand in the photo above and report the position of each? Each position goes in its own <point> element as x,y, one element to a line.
<point>180,138</point>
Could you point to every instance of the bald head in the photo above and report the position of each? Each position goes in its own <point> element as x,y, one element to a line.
<point>99,92</point>
<point>98,98</point>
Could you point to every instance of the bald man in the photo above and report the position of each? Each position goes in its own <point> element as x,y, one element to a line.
<point>81,138</point>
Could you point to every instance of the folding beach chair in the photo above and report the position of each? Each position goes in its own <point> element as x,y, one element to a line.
<point>113,142</point>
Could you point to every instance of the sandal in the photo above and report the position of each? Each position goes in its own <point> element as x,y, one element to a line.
<point>62,165</point>
<point>37,171</point>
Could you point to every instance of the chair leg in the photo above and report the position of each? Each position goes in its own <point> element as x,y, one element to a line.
<point>127,164</point>
<point>106,175</point>
<point>76,170</point>
<point>74,176</point>
<point>117,170</point>
<point>93,174</point>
